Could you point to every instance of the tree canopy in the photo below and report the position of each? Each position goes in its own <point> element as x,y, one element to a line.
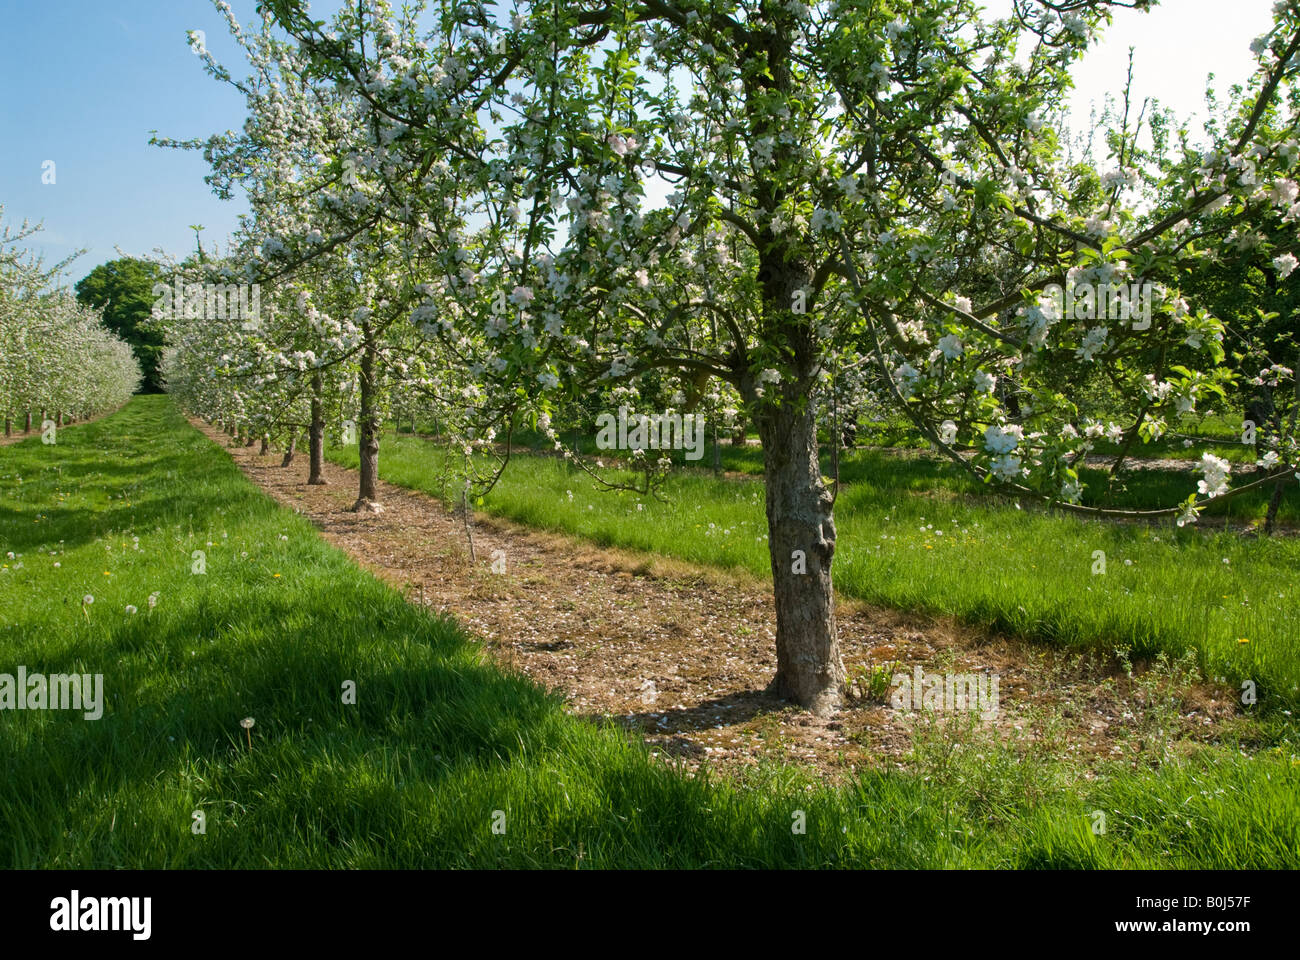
<point>123,290</point>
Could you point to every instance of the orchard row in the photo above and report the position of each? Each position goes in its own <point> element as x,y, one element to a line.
<point>744,209</point>
<point>57,360</point>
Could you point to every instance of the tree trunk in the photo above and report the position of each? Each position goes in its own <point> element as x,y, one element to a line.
<point>800,526</point>
<point>316,436</point>
<point>265,448</point>
<point>289,451</point>
<point>27,423</point>
<point>469,527</point>
<point>801,541</point>
<point>1257,412</point>
<point>368,433</point>
<point>9,427</point>
<point>1270,518</point>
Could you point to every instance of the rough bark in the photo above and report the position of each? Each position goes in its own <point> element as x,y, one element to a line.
<point>801,536</point>
<point>290,450</point>
<point>800,524</point>
<point>316,436</point>
<point>368,434</point>
<point>1270,517</point>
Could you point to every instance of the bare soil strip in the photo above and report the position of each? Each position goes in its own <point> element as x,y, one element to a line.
<point>680,655</point>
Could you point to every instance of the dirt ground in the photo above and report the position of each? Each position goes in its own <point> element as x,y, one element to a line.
<point>680,655</point>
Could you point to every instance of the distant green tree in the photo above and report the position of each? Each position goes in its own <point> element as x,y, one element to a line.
<point>124,288</point>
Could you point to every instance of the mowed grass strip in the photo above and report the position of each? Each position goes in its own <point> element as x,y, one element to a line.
<point>918,535</point>
<point>909,462</point>
<point>439,739</point>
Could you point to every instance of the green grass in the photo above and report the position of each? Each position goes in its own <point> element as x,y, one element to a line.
<point>439,738</point>
<point>919,534</point>
<point>1146,489</point>
<point>1137,489</point>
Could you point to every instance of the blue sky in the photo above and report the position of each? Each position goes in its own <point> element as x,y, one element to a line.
<point>84,84</point>
<point>85,81</point>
